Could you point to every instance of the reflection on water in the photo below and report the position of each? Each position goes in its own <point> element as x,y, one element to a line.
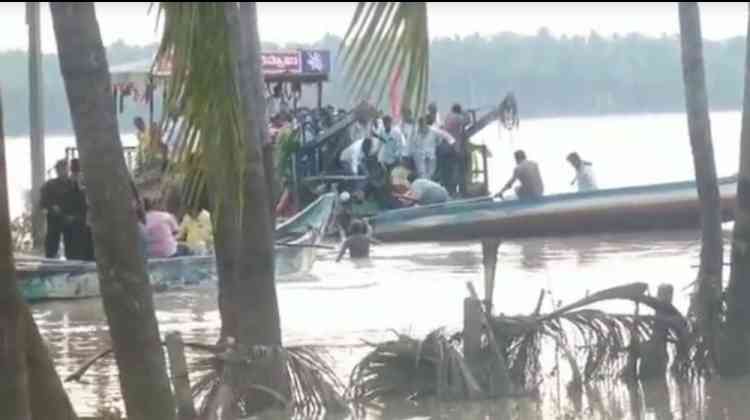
<point>416,288</point>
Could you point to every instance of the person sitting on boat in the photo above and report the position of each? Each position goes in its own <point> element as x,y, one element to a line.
<point>527,173</point>
<point>424,192</point>
<point>161,232</point>
<point>196,232</point>
<point>584,173</point>
<point>358,242</point>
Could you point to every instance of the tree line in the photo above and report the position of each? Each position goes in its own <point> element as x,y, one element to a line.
<point>550,76</point>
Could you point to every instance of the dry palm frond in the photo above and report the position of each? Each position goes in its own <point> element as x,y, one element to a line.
<point>406,367</point>
<point>604,339</point>
<point>384,39</point>
<point>313,386</point>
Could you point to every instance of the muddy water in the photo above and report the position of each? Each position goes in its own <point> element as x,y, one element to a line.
<point>416,288</point>
<point>412,289</point>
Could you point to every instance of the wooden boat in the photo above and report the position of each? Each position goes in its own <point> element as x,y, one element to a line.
<point>297,238</point>
<point>653,207</point>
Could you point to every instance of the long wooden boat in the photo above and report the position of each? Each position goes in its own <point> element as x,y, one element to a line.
<point>297,238</point>
<point>652,207</point>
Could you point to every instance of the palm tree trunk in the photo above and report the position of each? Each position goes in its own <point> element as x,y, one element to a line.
<point>226,222</point>
<point>14,387</point>
<point>707,304</point>
<point>256,289</point>
<point>124,283</point>
<point>736,352</point>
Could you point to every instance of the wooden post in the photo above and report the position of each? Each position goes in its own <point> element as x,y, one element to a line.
<point>180,378</point>
<point>320,95</point>
<point>499,377</point>
<point>36,122</point>
<point>472,337</point>
<point>655,355</point>
<point>489,260</point>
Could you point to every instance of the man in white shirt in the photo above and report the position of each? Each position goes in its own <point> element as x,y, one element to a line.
<point>584,173</point>
<point>392,143</point>
<point>353,157</point>
<point>425,145</point>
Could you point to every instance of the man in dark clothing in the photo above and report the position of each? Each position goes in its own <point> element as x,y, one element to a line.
<point>82,244</point>
<point>52,200</point>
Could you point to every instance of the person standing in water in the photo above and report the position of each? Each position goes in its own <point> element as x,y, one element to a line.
<point>584,173</point>
<point>358,242</point>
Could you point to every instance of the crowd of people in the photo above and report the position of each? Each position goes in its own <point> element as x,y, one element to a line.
<point>63,199</point>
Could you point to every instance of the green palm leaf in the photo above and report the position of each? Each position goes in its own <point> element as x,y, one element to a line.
<point>208,146</point>
<point>383,38</point>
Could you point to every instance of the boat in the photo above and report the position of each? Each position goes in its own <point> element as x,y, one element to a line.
<point>652,207</point>
<point>296,242</point>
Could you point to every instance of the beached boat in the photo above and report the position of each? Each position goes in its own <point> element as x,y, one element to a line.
<point>653,207</point>
<point>296,239</point>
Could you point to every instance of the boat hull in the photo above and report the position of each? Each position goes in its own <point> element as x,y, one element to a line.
<point>40,278</point>
<point>664,206</point>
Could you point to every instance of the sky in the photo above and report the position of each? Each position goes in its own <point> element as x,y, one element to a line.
<point>308,22</point>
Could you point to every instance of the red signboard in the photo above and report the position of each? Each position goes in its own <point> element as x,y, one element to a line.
<point>281,62</point>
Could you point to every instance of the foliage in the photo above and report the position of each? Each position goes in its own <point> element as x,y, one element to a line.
<point>386,39</point>
<point>598,341</point>
<point>550,76</point>
<point>314,386</point>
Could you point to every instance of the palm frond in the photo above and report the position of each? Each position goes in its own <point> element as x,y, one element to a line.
<point>314,387</point>
<point>202,91</point>
<point>384,38</point>
<point>593,343</point>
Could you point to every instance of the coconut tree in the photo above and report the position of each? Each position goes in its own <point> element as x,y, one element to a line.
<point>736,351</point>
<point>121,267</point>
<point>707,299</point>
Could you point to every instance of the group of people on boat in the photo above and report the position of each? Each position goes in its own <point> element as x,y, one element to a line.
<point>529,179</point>
<point>63,199</point>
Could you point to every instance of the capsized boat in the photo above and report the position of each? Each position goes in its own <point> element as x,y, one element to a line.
<point>297,238</point>
<point>653,207</point>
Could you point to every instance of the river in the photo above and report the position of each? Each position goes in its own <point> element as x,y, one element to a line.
<point>417,288</point>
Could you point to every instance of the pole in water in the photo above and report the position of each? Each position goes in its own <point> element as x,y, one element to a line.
<point>36,121</point>
<point>489,261</point>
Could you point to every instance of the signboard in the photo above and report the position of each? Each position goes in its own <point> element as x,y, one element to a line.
<point>296,62</point>
<point>281,62</point>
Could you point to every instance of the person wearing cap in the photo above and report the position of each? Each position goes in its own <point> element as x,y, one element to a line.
<point>52,201</point>
<point>344,214</point>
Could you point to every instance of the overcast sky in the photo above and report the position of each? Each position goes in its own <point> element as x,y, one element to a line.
<point>308,22</point>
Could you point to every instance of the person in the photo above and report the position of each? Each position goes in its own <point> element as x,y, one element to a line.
<point>425,192</point>
<point>196,231</point>
<point>360,129</point>
<point>426,142</point>
<point>149,142</point>
<point>358,242</point>
<point>52,201</point>
<point>344,214</point>
<point>392,144</point>
<point>584,173</point>
<point>455,169</point>
<point>140,214</point>
<point>353,158</point>
<point>81,243</point>
<point>161,231</point>
<point>409,130</point>
<point>527,173</point>
<point>400,175</point>
<point>434,116</point>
